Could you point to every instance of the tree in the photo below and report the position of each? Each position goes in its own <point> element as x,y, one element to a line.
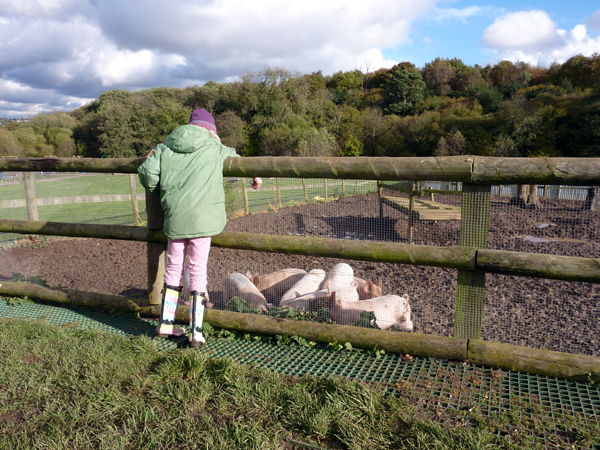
<point>581,71</point>
<point>489,98</point>
<point>352,147</point>
<point>527,197</point>
<point>206,97</point>
<point>344,81</point>
<point>279,140</point>
<point>505,73</point>
<point>232,131</point>
<point>531,126</point>
<point>374,125</point>
<point>438,75</point>
<point>404,90</point>
<point>504,146</point>
<point>382,77</point>
<point>466,79</point>
<point>317,142</point>
<point>452,145</point>
<point>34,144</point>
<point>316,81</point>
<point>9,145</point>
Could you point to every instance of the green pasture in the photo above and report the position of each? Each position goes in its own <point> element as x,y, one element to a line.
<point>273,194</point>
<point>66,388</point>
<point>67,185</point>
<point>290,192</point>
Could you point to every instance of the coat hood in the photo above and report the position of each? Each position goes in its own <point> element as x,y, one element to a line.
<point>187,138</point>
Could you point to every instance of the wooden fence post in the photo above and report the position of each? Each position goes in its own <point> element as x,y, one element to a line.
<point>305,191</point>
<point>245,195</point>
<point>411,213</point>
<point>325,184</point>
<point>30,195</point>
<point>278,192</point>
<point>157,254</point>
<point>134,202</point>
<point>380,193</point>
<point>470,290</point>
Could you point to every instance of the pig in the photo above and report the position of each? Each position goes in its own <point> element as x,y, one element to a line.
<point>238,285</point>
<point>308,302</point>
<point>340,276</point>
<point>367,289</point>
<point>390,311</point>
<point>307,284</point>
<point>274,285</point>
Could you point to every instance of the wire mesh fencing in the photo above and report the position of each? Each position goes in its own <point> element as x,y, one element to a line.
<point>96,198</point>
<point>539,313</point>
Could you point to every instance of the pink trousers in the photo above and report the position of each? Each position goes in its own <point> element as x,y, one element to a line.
<point>197,250</point>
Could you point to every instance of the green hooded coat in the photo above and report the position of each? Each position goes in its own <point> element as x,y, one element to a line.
<point>186,172</point>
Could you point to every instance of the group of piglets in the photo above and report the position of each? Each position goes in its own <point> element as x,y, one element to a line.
<point>343,294</point>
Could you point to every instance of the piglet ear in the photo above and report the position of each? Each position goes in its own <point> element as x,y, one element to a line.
<point>255,279</point>
<point>354,284</point>
<point>405,296</point>
<point>379,282</point>
<point>249,275</point>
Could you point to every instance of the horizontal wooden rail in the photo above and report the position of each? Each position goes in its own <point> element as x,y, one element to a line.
<point>467,169</point>
<point>454,257</point>
<point>566,268</point>
<point>123,232</point>
<point>568,366</point>
<point>509,357</point>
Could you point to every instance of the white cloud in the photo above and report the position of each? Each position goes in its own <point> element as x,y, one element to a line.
<point>593,21</point>
<point>303,33</point>
<point>19,100</point>
<point>532,37</point>
<point>78,48</point>
<point>455,13</point>
<point>521,29</point>
<point>43,9</point>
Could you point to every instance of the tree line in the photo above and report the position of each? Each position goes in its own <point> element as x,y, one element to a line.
<point>444,108</point>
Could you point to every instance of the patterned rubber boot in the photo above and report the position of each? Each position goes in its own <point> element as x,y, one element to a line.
<point>166,328</point>
<point>197,305</point>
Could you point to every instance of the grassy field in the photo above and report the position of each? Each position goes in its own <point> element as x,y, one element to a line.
<point>269,196</point>
<point>69,389</point>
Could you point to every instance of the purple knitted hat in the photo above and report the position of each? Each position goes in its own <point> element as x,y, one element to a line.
<point>203,118</point>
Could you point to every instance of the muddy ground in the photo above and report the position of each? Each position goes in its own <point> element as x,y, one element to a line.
<point>539,313</point>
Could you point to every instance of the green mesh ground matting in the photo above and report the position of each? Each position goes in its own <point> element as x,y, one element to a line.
<point>80,318</point>
<point>552,412</point>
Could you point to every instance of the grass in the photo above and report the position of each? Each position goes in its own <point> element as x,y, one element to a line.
<point>90,184</point>
<point>121,213</point>
<point>78,389</point>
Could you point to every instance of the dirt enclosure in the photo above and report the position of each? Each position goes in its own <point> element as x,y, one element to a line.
<point>539,313</point>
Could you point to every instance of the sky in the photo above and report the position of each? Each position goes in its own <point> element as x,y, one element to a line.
<point>56,55</point>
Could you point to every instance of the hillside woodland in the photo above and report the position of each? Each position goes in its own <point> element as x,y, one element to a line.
<point>443,108</point>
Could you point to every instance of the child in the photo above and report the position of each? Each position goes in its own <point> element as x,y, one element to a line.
<point>186,172</point>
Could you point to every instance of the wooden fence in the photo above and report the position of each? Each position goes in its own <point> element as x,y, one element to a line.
<point>471,258</point>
